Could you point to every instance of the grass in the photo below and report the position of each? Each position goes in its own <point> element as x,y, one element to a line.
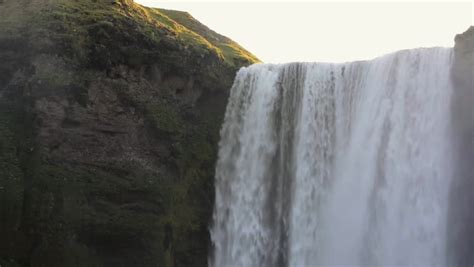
<point>74,17</point>
<point>152,22</point>
<point>232,52</point>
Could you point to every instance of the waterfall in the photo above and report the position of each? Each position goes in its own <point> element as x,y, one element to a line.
<point>336,164</point>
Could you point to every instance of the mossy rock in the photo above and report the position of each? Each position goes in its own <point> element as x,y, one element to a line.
<point>102,161</point>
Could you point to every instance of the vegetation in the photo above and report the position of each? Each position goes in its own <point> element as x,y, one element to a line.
<point>109,121</point>
<point>232,52</point>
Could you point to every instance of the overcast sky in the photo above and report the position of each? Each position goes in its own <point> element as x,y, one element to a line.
<point>329,31</point>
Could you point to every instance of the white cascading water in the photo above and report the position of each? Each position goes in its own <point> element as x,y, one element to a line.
<point>336,164</point>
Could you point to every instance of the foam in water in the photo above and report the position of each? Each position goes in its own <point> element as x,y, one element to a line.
<point>336,164</point>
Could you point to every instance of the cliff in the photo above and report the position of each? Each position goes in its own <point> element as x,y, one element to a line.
<point>109,121</point>
<point>461,218</point>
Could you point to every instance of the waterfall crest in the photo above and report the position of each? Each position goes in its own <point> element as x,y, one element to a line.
<point>336,164</point>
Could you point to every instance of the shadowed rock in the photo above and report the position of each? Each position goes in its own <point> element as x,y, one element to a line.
<point>461,216</point>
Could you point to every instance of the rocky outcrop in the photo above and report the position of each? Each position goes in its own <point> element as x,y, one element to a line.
<point>109,121</point>
<point>461,218</point>
<point>463,75</point>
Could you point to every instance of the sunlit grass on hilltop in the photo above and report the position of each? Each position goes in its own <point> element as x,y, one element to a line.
<point>185,28</point>
<point>73,20</point>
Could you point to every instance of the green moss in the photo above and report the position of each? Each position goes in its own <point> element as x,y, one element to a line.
<point>187,200</point>
<point>164,117</point>
<point>9,263</point>
<point>74,207</point>
<point>11,175</point>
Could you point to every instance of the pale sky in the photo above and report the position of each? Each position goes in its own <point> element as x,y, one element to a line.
<point>283,31</point>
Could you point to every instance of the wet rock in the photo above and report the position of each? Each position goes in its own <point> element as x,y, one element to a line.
<point>461,218</point>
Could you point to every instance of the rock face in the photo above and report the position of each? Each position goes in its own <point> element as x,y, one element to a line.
<point>461,225</point>
<point>109,121</point>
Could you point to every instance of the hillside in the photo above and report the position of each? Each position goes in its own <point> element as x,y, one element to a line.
<point>109,122</point>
